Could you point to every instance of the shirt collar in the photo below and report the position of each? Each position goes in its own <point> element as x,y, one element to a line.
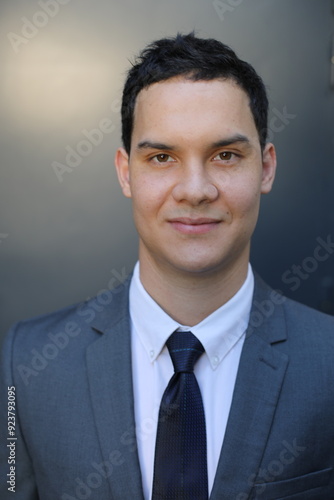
<point>218,332</point>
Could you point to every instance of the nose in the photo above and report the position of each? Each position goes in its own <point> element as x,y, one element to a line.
<point>195,186</point>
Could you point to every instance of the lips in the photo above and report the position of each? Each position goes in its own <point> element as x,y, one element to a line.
<point>188,225</point>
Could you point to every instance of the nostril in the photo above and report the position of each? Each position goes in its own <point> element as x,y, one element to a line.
<point>195,191</point>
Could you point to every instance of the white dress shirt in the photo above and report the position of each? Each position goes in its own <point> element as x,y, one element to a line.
<point>222,335</point>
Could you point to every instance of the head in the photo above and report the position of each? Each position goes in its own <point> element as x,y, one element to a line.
<point>195,59</point>
<point>194,161</point>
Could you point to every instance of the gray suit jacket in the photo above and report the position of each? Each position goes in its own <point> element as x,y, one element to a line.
<point>75,427</point>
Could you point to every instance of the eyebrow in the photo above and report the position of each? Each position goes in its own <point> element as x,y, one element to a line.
<point>218,144</point>
<point>231,140</point>
<point>154,145</point>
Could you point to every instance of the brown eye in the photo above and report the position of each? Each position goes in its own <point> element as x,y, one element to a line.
<point>162,158</point>
<point>226,155</point>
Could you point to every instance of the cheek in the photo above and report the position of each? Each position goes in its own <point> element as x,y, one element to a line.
<point>146,199</point>
<point>149,193</point>
<point>246,199</point>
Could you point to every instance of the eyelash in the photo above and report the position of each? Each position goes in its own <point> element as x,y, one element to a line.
<point>233,155</point>
<point>155,157</point>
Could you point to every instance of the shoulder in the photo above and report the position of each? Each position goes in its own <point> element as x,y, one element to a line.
<point>302,324</point>
<point>307,317</point>
<point>80,321</point>
<point>295,311</point>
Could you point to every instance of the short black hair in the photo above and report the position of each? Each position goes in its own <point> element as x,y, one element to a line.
<point>195,59</point>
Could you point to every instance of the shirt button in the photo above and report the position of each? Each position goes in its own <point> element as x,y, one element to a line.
<point>152,354</point>
<point>215,360</point>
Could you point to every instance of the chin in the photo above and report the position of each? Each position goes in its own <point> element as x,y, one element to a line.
<point>199,267</point>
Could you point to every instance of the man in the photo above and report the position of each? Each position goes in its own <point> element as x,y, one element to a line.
<point>253,416</point>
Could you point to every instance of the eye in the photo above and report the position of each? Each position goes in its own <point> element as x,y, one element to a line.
<point>225,155</point>
<point>162,158</point>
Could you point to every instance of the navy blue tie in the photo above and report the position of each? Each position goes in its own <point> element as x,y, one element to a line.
<point>180,467</point>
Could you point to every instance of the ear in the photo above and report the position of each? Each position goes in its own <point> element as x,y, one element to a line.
<point>268,168</point>
<point>123,172</point>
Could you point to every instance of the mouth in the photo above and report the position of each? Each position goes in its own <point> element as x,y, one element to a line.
<point>188,225</point>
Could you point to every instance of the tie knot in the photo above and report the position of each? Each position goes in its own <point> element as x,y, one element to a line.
<point>184,349</point>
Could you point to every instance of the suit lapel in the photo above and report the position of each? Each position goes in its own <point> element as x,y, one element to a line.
<point>110,381</point>
<point>257,389</point>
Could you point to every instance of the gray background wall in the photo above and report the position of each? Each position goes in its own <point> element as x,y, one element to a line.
<point>62,238</point>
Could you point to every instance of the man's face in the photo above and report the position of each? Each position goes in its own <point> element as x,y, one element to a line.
<point>195,174</point>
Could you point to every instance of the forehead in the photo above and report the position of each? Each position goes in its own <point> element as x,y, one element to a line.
<point>182,106</point>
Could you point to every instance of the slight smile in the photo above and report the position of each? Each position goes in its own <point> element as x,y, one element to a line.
<point>187,225</point>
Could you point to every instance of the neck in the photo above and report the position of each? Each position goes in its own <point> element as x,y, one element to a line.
<point>189,298</point>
